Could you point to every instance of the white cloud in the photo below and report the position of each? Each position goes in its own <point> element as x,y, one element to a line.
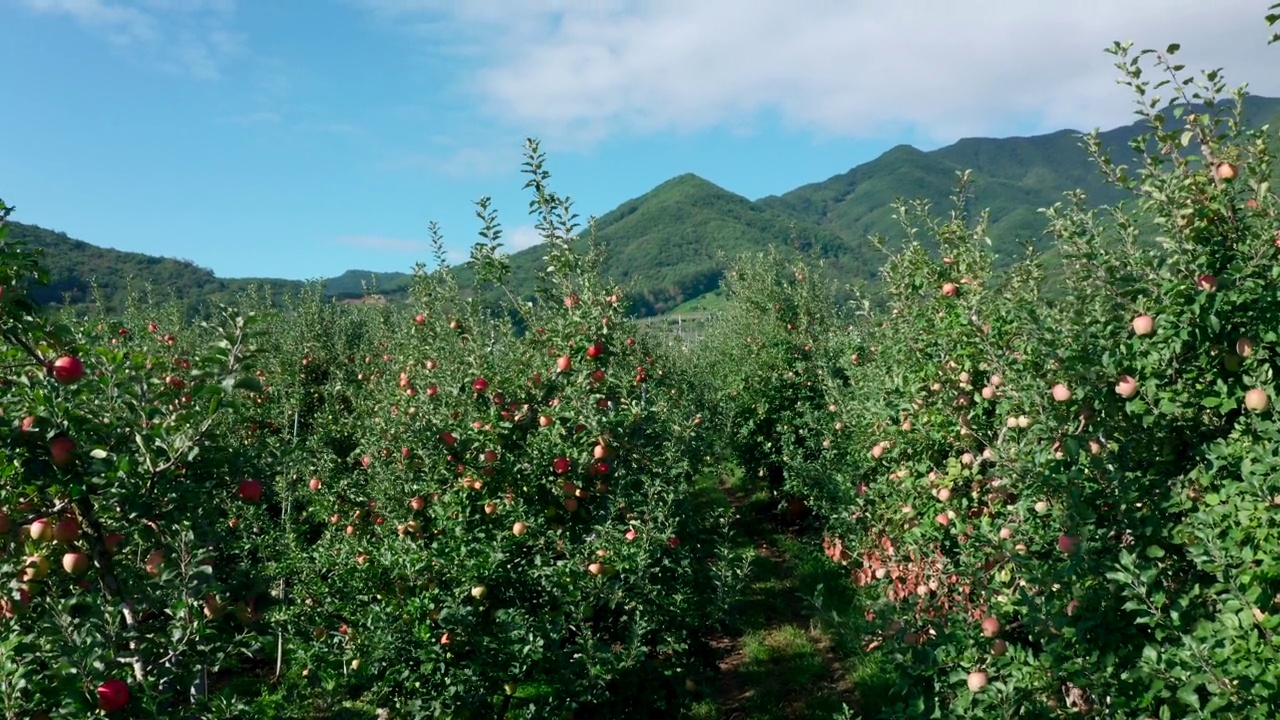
<point>522,238</point>
<point>188,37</point>
<point>375,242</point>
<point>580,71</point>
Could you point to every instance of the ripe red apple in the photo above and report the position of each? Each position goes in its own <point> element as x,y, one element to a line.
<point>560,465</point>
<point>67,369</point>
<point>595,568</point>
<point>41,530</point>
<point>1208,283</point>
<point>595,351</point>
<point>35,568</point>
<point>1256,400</point>
<point>1068,544</point>
<point>62,451</point>
<point>1061,393</point>
<point>448,438</point>
<point>949,289</point>
<point>631,535</point>
<point>976,681</point>
<point>999,648</point>
<point>250,491</point>
<point>1225,171</point>
<point>942,519</point>
<point>1144,325</point>
<point>113,695</point>
<point>519,528</point>
<point>75,563</point>
<point>673,542</point>
<point>564,363</point>
<point>112,541</point>
<point>1244,347</point>
<point>1126,386</point>
<point>314,484</point>
<point>480,385</point>
<point>155,562</point>
<point>66,530</point>
<point>990,627</point>
<point>419,319</point>
<point>417,503</point>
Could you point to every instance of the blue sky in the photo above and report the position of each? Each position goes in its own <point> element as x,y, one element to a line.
<point>303,138</point>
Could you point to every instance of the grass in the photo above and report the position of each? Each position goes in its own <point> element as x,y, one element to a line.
<point>786,654</point>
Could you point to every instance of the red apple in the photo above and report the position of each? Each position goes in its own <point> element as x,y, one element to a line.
<point>1256,400</point>
<point>314,484</point>
<point>949,289</point>
<point>250,491</point>
<point>1061,393</point>
<point>595,351</point>
<point>990,627</point>
<point>75,563</point>
<point>67,369</point>
<point>976,681</point>
<point>519,528</point>
<point>419,319</point>
<point>1225,171</point>
<point>631,535</point>
<point>41,530</point>
<point>1208,283</point>
<point>480,385</point>
<point>1068,544</point>
<point>564,363</point>
<point>1126,386</point>
<point>1144,325</point>
<point>66,531</point>
<point>560,465</point>
<point>62,451</point>
<point>113,695</point>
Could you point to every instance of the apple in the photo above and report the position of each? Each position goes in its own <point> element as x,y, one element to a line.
<point>977,680</point>
<point>250,491</point>
<point>417,503</point>
<point>519,528</point>
<point>949,289</point>
<point>62,451</point>
<point>480,385</point>
<point>631,535</point>
<point>1061,393</point>
<point>75,563</point>
<point>155,562</point>
<point>36,567</point>
<point>596,350</point>
<point>942,519</point>
<point>1126,386</point>
<point>1006,533</point>
<point>1068,544</point>
<point>1244,347</point>
<point>112,542</point>
<point>1208,283</point>
<point>67,369</point>
<point>1256,400</point>
<point>113,695</point>
<point>595,568</point>
<point>564,363</point>
<point>999,648</point>
<point>314,484</point>
<point>1144,325</point>
<point>41,530</point>
<point>990,627</point>
<point>944,494</point>
<point>1225,171</point>
<point>419,319</point>
<point>1042,507</point>
<point>560,465</point>
<point>479,591</point>
<point>66,531</point>
<point>490,508</point>
<point>995,381</point>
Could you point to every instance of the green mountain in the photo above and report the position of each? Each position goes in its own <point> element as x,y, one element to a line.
<point>75,266</point>
<point>1013,177</point>
<point>667,247</point>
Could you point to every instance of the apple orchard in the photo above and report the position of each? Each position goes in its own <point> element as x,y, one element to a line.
<point>1054,483</point>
